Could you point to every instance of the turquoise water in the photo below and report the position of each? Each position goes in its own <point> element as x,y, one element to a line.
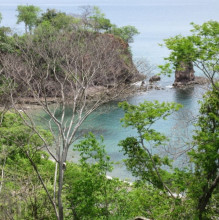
<point>106,122</point>
<point>155,20</point>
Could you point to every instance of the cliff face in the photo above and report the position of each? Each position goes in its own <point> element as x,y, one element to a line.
<point>118,61</point>
<point>184,74</point>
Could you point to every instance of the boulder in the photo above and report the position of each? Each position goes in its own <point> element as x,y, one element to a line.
<point>154,78</point>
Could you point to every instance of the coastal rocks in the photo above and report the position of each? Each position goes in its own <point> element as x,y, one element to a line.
<point>184,74</point>
<point>154,79</point>
<point>150,87</point>
<point>197,81</point>
<point>201,80</point>
<point>144,86</point>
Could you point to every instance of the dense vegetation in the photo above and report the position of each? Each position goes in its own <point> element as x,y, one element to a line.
<point>56,45</point>
<point>64,56</point>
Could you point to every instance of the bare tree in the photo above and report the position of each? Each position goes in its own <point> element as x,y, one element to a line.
<point>80,69</point>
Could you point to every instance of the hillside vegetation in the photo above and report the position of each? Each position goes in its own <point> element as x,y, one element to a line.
<point>68,58</point>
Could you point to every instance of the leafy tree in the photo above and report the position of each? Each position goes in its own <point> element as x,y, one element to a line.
<point>126,33</point>
<point>4,46</point>
<point>164,190</point>
<point>91,195</point>
<point>99,23</point>
<point>98,20</point>
<point>205,157</point>
<point>58,20</point>
<point>6,42</point>
<point>152,203</point>
<point>49,15</point>
<point>29,15</point>
<point>200,48</point>
<point>199,184</point>
<point>141,161</point>
<point>22,195</point>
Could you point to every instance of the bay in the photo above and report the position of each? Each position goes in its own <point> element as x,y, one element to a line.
<point>155,20</point>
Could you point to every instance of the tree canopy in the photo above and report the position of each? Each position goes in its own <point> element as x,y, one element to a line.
<point>83,62</point>
<point>29,15</point>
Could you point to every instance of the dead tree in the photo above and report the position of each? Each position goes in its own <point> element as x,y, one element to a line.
<point>76,68</point>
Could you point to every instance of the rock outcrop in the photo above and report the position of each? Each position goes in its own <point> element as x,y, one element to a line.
<point>184,74</point>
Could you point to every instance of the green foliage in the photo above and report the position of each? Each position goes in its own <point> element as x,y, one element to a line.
<point>89,193</point>
<point>145,114</point>
<point>141,162</point>
<point>199,185</point>
<point>98,20</point>
<point>29,15</point>
<point>206,137</point>
<point>182,49</point>
<point>151,203</point>
<point>21,194</point>
<point>15,135</point>
<point>101,24</point>
<point>90,148</point>
<point>58,20</point>
<point>204,156</point>
<point>6,42</point>
<point>200,48</point>
<point>14,132</point>
<point>127,33</point>
<point>49,15</point>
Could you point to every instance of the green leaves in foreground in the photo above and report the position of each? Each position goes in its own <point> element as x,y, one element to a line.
<point>90,194</point>
<point>93,153</point>
<point>21,193</point>
<point>141,161</point>
<point>205,156</point>
<point>144,115</point>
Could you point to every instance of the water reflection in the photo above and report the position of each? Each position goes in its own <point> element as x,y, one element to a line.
<point>184,96</point>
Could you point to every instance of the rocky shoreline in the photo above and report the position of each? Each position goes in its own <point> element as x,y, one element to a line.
<point>198,80</point>
<point>138,87</point>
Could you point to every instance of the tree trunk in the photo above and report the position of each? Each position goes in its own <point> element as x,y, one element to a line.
<point>60,205</point>
<point>204,200</point>
<point>25,28</point>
